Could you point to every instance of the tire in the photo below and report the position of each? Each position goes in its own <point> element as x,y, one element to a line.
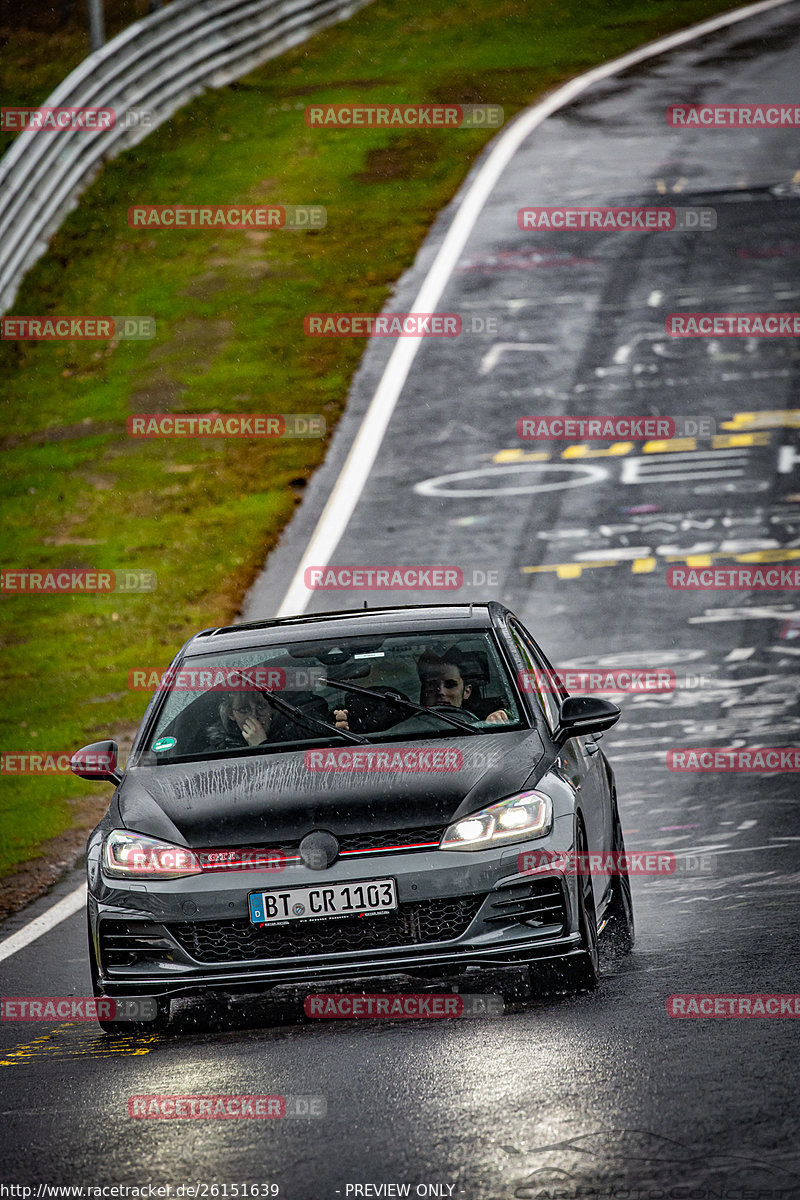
<point>618,934</point>
<point>579,972</point>
<point>130,1027</point>
<point>158,1025</point>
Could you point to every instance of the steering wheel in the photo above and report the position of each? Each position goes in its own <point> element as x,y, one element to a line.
<point>460,714</point>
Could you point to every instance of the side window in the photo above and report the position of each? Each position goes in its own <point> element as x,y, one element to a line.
<point>540,680</point>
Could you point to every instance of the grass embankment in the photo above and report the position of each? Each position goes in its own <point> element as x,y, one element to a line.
<point>229,306</point>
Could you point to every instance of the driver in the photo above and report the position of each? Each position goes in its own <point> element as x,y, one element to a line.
<point>243,719</point>
<point>442,683</point>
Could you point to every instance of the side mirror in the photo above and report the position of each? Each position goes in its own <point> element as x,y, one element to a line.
<point>584,714</point>
<point>97,762</point>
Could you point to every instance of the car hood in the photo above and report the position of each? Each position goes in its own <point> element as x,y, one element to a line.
<point>259,801</point>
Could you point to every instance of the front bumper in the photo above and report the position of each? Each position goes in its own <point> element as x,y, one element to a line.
<point>456,910</point>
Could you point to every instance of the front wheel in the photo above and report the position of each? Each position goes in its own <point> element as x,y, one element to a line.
<point>580,972</point>
<point>618,933</point>
<point>112,1026</point>
<point>157,1025</point>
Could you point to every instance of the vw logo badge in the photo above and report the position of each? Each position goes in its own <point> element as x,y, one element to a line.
<point>319,850</point>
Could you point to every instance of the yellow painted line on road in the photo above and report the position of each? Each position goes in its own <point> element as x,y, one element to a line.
<point>72,1041</point>
<point>756,556</point>
<point>719,441</point>
<point>784,418</point>
<point>670,445</point>
<point>571,570</point>
<point>731,441</point>
<point>640,566</point>
<point>583,451</point>
<point>514,455</point>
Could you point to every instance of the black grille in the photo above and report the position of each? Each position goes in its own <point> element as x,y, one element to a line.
<point>132,943</point>
<point>538,903</point>
<point>383,841</point>
<point>412,924</point>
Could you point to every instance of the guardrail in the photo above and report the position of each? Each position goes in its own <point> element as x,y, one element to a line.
<point>158,63</point>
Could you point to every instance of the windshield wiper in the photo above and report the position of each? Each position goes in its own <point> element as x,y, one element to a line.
<point>392,697</point>
<point>296,712</point>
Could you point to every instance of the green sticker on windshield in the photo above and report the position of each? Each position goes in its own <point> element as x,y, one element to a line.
<point>164,743</point>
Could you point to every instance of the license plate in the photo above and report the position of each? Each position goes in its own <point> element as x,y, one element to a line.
<point>326,900</point>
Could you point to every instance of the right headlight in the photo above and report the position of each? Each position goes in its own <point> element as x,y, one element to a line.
<point>526,815</point>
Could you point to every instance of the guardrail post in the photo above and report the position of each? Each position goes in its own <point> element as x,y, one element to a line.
<point>96,24</point>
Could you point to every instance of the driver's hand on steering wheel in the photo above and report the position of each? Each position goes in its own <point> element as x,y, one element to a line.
<point>498,717</point>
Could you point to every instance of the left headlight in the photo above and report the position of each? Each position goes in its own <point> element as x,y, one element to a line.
<point>526,815</point>
<point>136,856</point>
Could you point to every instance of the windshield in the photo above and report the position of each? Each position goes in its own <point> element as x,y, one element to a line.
<point>359,689</point>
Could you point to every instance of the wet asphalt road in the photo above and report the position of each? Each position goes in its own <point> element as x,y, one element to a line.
<point>586,1095</point>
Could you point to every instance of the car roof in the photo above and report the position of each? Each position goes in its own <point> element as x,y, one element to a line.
<point>411,618</point>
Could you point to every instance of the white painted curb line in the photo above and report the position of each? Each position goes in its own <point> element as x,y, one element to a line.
<point>72,903</point>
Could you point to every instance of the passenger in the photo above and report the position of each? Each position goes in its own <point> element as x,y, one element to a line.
<point>442,682</point>
<point>244,720</point>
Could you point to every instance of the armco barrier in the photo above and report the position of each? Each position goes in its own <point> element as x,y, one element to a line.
<point>158,63</point>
